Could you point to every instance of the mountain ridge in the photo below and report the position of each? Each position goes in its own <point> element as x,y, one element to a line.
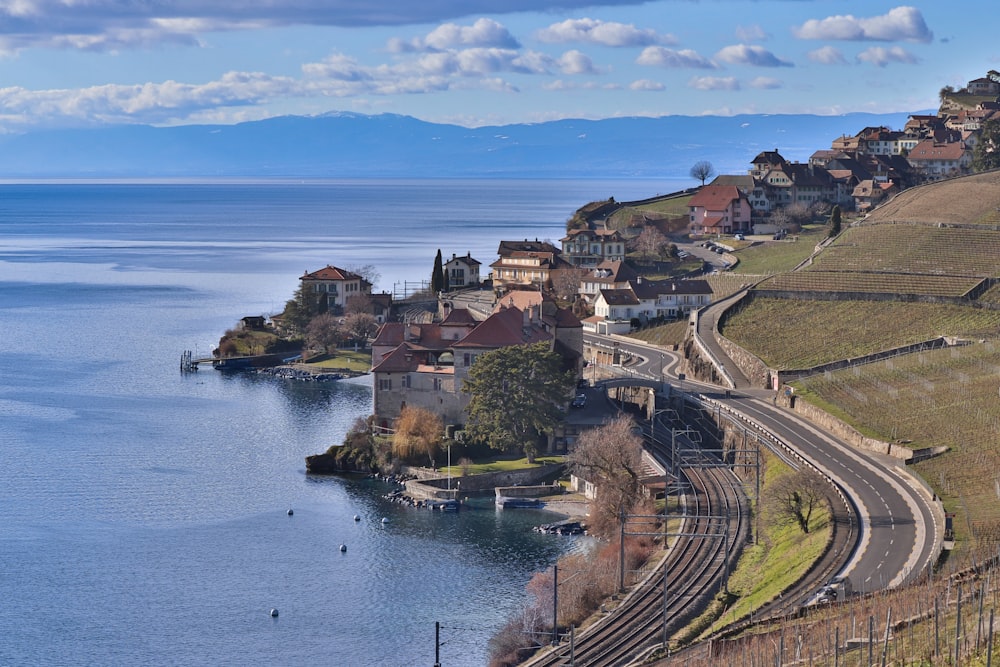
<point>347,144</point>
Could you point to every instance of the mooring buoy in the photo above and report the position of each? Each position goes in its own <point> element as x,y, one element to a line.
<point>274,613</point>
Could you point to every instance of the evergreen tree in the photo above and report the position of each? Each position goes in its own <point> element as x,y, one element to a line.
<point>986,154</point>
<point>835,221</point>
<point>302,308</point>
<point>517,393</point>
<point>437,275</point>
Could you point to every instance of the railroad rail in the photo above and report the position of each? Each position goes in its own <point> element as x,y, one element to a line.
<point>714,528</point>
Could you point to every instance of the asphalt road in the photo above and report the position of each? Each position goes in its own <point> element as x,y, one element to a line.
<point>900,527</point>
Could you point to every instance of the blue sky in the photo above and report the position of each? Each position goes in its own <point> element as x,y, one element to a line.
<point>70,63</point>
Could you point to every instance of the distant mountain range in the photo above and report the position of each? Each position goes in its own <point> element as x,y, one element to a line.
<point>343,145</point>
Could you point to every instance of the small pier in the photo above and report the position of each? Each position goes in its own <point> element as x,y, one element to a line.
<point>188,363</point>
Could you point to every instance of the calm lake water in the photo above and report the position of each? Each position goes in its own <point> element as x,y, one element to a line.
<point>143,513</point>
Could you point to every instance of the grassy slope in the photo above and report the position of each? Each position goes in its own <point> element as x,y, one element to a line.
<point>783,554</point>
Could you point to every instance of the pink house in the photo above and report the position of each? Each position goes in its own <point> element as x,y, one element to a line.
<point>719,209</point>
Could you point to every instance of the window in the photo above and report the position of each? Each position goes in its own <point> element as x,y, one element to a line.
<point>405,382</point>
<point>385,384</point>
<point>466,359</point>
<point>437,384</point>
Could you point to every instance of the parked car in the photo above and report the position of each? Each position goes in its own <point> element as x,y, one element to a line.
<point>579,401</point>
<point>739,237</point>
<point>582,382</point>
<point>718,250</point>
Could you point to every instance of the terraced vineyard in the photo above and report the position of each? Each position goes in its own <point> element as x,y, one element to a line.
<point>795,334</point>
<point>938,398</point>
<point>956,201</point>
<point>868,282</point>
<point>914,249</point>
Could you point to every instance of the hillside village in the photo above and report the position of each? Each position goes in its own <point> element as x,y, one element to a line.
<point>609,278</point>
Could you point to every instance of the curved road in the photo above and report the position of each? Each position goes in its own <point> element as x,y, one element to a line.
<point>900,526</point>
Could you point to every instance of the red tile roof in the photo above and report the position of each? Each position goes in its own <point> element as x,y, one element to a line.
<point>331,273</point>
<point>715,197</point>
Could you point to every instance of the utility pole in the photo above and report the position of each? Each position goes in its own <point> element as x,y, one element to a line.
<point>555,604</point>
<point>437,643</point>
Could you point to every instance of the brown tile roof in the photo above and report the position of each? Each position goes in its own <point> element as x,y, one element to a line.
<point>459,316</point>
<point>616,272</point>
<point>650,289</point>
<point>928,149</point>
<point>619,297</point>
<point>502,328</point>
<point>404,359</point>
<point>508,247</point>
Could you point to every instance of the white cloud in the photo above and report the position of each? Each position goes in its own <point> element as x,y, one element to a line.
<point>751,33</point>
<point>750,54</point>
<point>827,55</point>
<point>110,25</point>
<point>575,62</point>
<point>595,31</point>
<point>663,57</point>
<point>714,83</point>
<point>766,83</point>
<point>646,84</point>
<point>880,56</point>
<point>561,85</point>
<point>484,33</point>
<point>899,24</point>
<point>154,102</point>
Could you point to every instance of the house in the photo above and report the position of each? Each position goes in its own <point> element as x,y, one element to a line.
<point>252,323</point>
<point>462,272</point>
<point>526,263</point>
<point>381,307</point>
<point>606,275</point>
<point>335,286</point>
<point>719,209</point>
<point>984,86</point>
<point>587,248</point>
<point>646,300</point>
<point>425,365</point>
<point>869,193</point>
<point>933,160</point>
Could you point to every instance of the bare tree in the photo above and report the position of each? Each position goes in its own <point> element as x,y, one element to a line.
<point>359,303</point>
<point>366,271</point>
<point>323,332</point>
<point>566,282</point>
<point>359,327</point>
<point>796,496</point>
<point>418,433</point>
<point>610,457</point>
<point>701,170</point>
<point>650,242</point>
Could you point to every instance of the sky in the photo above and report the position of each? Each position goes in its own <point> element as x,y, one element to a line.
<point>82,63</point>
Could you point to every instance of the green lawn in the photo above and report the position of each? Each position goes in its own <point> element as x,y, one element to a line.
<point>501,464</point>
<point>357,362</point>
<point>777,256</point>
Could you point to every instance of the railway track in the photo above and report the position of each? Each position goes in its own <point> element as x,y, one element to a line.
<point>713,530</point>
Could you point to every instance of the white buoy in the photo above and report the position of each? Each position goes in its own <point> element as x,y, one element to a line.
<point>385,520</point>
<point>290,512</point>
<point>274,613</point>
<point>343,548</point>
<point>357,518</point>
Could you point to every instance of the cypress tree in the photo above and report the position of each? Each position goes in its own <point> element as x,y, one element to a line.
<point>835,221</point>
<point>437,275</point>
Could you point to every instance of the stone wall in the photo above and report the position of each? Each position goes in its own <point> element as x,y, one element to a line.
<point>848,434</point>
<point>437,487</point>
